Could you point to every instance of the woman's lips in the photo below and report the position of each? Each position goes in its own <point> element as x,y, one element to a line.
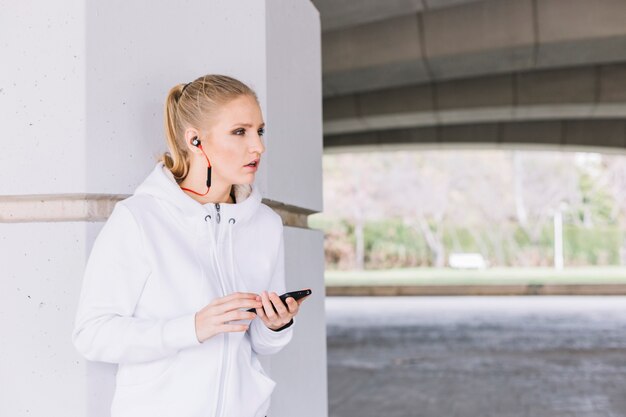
<point>252,167</point>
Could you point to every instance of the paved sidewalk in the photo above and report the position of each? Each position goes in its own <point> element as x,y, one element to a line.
<point>477,356</point>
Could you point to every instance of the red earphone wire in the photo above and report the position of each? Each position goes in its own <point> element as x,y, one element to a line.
<point>208,162</point>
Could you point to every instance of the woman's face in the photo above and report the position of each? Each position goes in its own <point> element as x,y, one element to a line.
<point>235,139</point>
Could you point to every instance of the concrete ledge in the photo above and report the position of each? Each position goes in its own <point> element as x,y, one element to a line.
<point>57,207</point>
<point>522,289</point>
<point>292,215</point>
<point>98,208</point>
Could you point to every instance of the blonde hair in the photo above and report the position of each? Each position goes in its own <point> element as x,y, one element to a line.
<point>195,105</point>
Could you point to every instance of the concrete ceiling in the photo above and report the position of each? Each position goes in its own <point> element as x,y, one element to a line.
<point>338,14</point>
<point>475,38</point>
<point>412,65</point>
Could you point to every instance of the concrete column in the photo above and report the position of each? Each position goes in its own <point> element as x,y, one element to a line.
<point>82,87</point>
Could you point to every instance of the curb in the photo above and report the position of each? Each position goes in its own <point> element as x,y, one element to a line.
<point>522,289</point>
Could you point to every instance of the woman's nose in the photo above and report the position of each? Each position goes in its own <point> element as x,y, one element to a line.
<point>258,145</point>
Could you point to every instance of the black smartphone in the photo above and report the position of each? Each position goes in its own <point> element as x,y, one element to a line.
<point>295,294</point>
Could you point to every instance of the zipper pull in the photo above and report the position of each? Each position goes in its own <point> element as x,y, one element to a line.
<point>217,207</point>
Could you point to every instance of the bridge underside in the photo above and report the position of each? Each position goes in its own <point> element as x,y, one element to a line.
<point>487,72</point>
<point>591,135</point>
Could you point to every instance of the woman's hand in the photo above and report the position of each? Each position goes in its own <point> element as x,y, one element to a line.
<point>213,318</point>
<point>274,313</point>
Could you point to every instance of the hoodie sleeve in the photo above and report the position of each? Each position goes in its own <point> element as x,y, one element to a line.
<point>264,340</point>
<point>115,274</point>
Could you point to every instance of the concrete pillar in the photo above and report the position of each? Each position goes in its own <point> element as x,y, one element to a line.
<point>82,85</point>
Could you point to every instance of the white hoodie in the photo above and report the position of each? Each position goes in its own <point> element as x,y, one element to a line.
<point>161,257</point>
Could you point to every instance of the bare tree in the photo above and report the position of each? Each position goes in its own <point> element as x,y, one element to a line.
<point>351,190</point>
<point>613,178</point>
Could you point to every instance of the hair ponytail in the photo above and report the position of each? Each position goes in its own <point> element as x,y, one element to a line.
<point>194,105</point>
<point>176,159</point>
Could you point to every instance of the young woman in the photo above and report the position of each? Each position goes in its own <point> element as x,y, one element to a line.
<point>177,264</point>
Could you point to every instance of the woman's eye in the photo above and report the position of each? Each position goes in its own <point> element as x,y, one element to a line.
<point>241,131</point>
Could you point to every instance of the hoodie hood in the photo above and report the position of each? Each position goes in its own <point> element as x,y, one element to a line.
<point>162,185</point>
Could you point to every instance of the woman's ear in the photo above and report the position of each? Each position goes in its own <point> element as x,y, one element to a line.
<point>190,135</point>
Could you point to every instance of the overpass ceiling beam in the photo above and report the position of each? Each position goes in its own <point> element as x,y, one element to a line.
<point>473,39</point>
<point>570,93</point>
<point>597,134</point>
<point>340,14</point>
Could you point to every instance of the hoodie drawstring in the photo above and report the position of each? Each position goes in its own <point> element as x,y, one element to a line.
<point>219,273</point>
<point>232,258</point>
<point>233,275</point>
<point>236,279</point>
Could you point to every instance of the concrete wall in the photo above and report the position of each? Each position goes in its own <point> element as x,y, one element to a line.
<point>82,87</point>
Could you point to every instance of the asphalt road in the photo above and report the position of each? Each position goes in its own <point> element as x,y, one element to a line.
<point>476,356</point>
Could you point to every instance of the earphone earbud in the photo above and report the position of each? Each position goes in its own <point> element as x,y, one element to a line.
<point>196,142</point>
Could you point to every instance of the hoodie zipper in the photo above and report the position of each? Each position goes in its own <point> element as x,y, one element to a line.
<point>225,358</point>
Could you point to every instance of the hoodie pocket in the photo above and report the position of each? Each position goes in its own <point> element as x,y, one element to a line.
<point>256,365</point>
<point>249,382</point>
<point>265,384</point>
<point>139,373</point>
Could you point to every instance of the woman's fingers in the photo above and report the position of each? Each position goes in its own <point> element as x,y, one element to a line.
<point>233,328</point>
<point>279,305</point>
<point>236,315</point>
<point>260,312</point>
<point>300,301</point>
<point>235,296</point>
<point>267,306</point>
<point>292,305</point>
<point>237,304</point>
<point>274,311</point>
<point>214,318</point>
